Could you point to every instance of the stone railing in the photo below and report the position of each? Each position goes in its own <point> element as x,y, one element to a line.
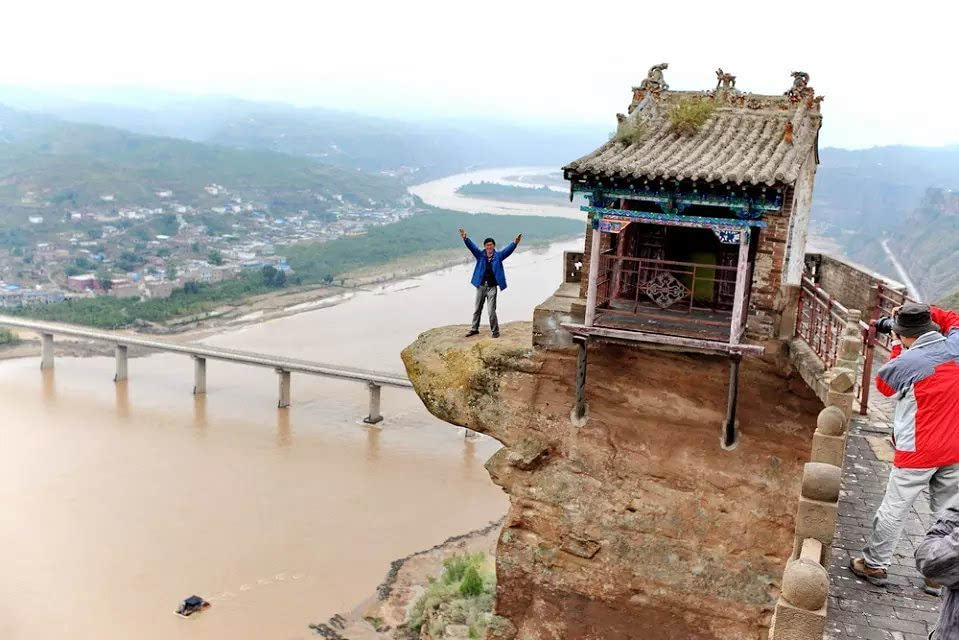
<point>800,612</point>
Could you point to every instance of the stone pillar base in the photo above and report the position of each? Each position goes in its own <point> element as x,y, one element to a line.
<point>828,449</point>
<point>793,623</point>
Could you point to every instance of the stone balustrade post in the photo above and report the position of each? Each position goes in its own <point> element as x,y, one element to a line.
<point>800,613</point>
<point>818,503</point>
<point>829,439</point>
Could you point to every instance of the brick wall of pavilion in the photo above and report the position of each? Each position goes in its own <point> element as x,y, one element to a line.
<point>768,297</point>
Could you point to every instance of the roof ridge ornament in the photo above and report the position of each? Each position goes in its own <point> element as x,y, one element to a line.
<point>654,78</point>
<point>725,81</point>
<point>800,88</point>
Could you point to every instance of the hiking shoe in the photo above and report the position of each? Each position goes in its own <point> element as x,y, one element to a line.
<point>495,335</point>
<point>472,333</point>
<point>873,576</point>
<point>932,587</point>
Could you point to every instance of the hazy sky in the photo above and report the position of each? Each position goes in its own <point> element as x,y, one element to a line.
<point>889,75</point>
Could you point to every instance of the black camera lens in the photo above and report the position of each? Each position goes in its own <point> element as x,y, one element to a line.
<point>884,325</point>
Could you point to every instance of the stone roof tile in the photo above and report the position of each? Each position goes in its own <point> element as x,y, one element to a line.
<point>746,138</point>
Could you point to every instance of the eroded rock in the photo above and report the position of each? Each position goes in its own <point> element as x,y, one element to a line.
<point>637,524</point>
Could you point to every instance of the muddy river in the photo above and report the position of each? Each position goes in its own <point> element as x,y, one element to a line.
<point>121,499</point>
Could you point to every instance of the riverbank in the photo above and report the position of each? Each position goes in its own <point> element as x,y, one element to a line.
<point>252,310</point>
<point>442,193</point>
<point>260,308</point>
<point>384,615</point>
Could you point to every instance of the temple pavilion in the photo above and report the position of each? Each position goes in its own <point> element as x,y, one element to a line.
<point>697,210</point>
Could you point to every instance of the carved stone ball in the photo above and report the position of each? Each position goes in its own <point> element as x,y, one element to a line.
<point>831,421</point>
<point>820,481</point>
<point>805,584</point>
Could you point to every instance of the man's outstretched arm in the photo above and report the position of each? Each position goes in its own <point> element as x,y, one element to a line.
<point>469,244</point>
<point>511,247</point>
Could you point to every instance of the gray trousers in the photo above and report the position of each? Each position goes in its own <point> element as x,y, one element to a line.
<point>903,488</point>
<point>487,294</point>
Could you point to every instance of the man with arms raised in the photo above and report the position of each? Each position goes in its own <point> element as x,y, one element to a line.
<point>488,278</point>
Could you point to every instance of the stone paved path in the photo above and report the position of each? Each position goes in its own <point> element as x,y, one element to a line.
<point>857,609</point>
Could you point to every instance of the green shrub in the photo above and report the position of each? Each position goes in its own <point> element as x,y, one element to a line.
<point>472,584</point>
<point>455,568</point>
<point>689,114</point>
<point>465,592</point>
<point>8,337</point>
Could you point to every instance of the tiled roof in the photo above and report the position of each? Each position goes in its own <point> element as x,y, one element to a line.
<point>753,139</point>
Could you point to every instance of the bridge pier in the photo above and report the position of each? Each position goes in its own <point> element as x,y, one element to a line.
<point>121,358</point>
<point>284,400</point>
<point>46,350</point>
<point>374,415</point>
<point>199,375</point>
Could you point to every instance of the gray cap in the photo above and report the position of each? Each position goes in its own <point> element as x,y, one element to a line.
<point>913,320</point>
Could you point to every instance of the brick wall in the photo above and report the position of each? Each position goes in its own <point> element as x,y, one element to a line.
<point>767,299</point>
<point>849,283</point>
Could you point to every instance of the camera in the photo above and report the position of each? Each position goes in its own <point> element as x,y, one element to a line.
<point>884,325</point>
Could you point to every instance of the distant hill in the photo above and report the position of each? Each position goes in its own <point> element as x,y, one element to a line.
<point>928,244</point>
<point>49,164</point>
<point>950,302</point>
<point>863,196</point>
<point>879,186</point>
<point>333,137</point>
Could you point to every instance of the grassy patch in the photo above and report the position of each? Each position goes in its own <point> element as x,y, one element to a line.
<point>688,115</point>
<point>463,595</point>
<point>631,131</point>
<point>8,337</point>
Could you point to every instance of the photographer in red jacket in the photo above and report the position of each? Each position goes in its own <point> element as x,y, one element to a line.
<point>923,376</point>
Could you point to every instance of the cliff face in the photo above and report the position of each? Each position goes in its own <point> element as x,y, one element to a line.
<point>928,244</point>
<point>637,524</point>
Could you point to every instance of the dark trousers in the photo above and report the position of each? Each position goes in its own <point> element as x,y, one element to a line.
<point>487,294</point>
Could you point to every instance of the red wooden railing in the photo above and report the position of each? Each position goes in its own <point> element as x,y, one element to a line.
<point>820,321</point>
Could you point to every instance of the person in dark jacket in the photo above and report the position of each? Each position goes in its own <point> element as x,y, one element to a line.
<point>923,376</point>
<point>488,278</point>
<point>937,558</point>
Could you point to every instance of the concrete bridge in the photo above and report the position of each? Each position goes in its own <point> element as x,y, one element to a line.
<point>283,366</point>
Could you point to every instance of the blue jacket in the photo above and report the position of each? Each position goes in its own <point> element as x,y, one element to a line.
<point>497,263</point>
